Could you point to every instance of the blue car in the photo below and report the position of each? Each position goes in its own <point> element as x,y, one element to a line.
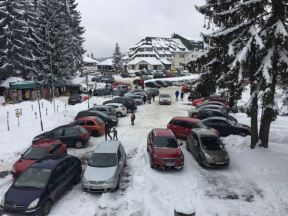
<point>41,184</point>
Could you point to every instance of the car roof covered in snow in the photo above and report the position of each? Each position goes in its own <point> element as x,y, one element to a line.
<point>163,132</point>
<point>203,132</point>
<point>187,119</point>
<point>108,147</point>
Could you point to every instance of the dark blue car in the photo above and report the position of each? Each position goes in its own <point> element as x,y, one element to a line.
<point>41,184</point>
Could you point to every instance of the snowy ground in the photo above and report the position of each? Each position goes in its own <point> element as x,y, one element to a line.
<point>254,184</point>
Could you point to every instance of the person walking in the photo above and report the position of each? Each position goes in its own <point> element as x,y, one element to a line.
<point>153,96</point>
<point>144,98</point>
<point>90,93</point>
<point>132,118</point>
<point>149,98</point>
<point>115,133</point>
<point>177,95</point>
<point>182,95</point>
<point>107,130</point>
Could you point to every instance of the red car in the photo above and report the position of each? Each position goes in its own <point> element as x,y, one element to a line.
<point>164,150</point>
<point>139,82</point>
<point>186,88</point>
<point>115,85</point>
<point>182,126</point>
<point>39,150</point>
<point>94,125</point>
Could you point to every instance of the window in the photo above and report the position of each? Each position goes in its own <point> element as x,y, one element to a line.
<point>80,123</point>
<point>195,141</point>
<point>70,131</point>
<point>182,56</point>
<point>191,125</point>
<point>58,132</point>
<point>90,123</point>
<point>54,148</point>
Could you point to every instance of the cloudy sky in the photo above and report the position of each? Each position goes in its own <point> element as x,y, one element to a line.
<point>128,21</point>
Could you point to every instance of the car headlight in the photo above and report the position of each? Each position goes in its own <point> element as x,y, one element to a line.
<point>207,156</point>
<point>110,181</point>
<point>84,180</point>
<point>2,201</point>
<point>34,203</point>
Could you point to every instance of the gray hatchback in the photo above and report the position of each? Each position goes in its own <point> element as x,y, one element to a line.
<point>207,148</point>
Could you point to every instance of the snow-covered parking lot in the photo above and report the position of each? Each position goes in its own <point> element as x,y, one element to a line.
<point>254,184</point>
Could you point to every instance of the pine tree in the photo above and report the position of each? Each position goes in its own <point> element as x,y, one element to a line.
<point>117,58</point>
<point>13,39</point>
<point>245,45</point>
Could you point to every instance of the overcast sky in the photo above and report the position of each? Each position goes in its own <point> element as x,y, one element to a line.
<point>128,21</point>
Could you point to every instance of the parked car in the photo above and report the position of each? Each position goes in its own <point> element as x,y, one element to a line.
<point>164,99</point>
<point>182,126</point>
<point>108,110</point>
<point>74,99</point>
<point>38,187</point>
<point>127,102</point>
<point>97,78</point>
<point>207,148</point>
<point>207,113</point>
<point>194,112</point>
<point>94,125</point>
<point>135,91</point>
<point>152,84</point>
<point>101,92</point>
<point>125,75</point>
<point>108,79</point>
<point>164,150</point>
<point>120,109</point>
<point>137,98</point>
<point>194,95</point>
<point>227,127</point>
<point>71,135</point>
<point>158,75</point>
<point>139,82</point>
<point>115,85</point>
<point>38,151</point>
<point>218,98</point>
<point>161,83</point>
<point>103,170</point>
<point>151,91</point>
<point>210,103</point>
<point>112,120</point>
<point>169,83</point>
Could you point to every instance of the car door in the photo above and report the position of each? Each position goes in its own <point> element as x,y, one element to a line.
<point>120,158</point>
<point>195,146</point>
<point>89,126</point>
<point>57,181</point>
<point>57,133</point>
<point>70,136</point>
<point>188,127</point>
<point>223,127</point>
<point>149,143</point>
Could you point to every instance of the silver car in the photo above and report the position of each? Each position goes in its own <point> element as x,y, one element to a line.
<point>103,169</point>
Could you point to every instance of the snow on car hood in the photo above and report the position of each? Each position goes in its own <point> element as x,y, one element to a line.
<point>99,173</point>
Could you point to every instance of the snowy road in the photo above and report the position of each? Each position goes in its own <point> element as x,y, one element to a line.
<point>254,184</point>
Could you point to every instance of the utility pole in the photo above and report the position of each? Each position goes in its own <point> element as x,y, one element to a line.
<point>41,123</point>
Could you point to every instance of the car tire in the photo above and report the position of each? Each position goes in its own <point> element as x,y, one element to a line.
<point>243,134</point>
<point>78,144</point>
<point>95,133</point>
<point>119,114</point>
<point>200,161</point>
<point>118,183</point>
<point>77,178</point>
<point>46,208</point>
<point>187,147</point>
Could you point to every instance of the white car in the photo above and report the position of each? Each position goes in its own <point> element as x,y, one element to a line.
<point>120,109</point>
<point>103,169</point>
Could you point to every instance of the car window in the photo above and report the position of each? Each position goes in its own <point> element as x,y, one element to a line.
<point>211,143</point>
<point>165,142</point>
<point>58,132</point>
<point>90,123</point>
<point>34,153</point>
<point>190,125</point>
<point>54,148</point>
<point>195,141</point>
<point>70,132</point>
<point>82,123</point>
<point>103,160</point>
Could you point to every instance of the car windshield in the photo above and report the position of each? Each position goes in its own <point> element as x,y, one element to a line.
<point>201,125</point>
<point>165,142</point>
<point>35,153</point>
<point>211,143</point>
<point>103,160</point>
<point>34,178</point>
<point>165,96</point>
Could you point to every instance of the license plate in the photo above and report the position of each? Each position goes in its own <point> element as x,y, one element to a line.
<point>219,163</point>
<point>170,164</point>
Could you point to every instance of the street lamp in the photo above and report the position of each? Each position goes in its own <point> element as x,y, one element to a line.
<point>38,96</point>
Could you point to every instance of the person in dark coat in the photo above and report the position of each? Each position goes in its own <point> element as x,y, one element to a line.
<point>115,133</point>
<point>107,131</point>
<point>90,92</point>
<point>182,95</point>
<point>132,118</point>
<point>153,96</point>
<point>177,95</point>
<point>144,98</point>
<point>149,98</point>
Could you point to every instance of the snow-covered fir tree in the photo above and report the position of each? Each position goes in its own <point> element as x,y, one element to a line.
<point>249,43</point>
<point>13,39</point>
<point>117,58</point>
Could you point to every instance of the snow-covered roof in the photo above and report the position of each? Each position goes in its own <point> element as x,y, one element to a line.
<point>106,62</point>
<point>165,61</point>
<point>6,82</point>
<point>87,59</point>
<point>149,60</point>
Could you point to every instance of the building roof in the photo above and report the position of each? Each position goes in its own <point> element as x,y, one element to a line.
<point>148,60</point>
<point>165,61</point>
<point>6,82</point>
<point>107,62</point>
<point>87,59</point>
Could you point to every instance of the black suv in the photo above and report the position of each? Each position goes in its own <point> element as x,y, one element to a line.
<point>127,102</point>
<point>71,135</point>
<point>112,120</point>
<point>74,99</point>
<point>152,84</point>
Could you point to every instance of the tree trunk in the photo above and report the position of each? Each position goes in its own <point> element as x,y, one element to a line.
<point>254,121</point>
<point>268,115</point>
